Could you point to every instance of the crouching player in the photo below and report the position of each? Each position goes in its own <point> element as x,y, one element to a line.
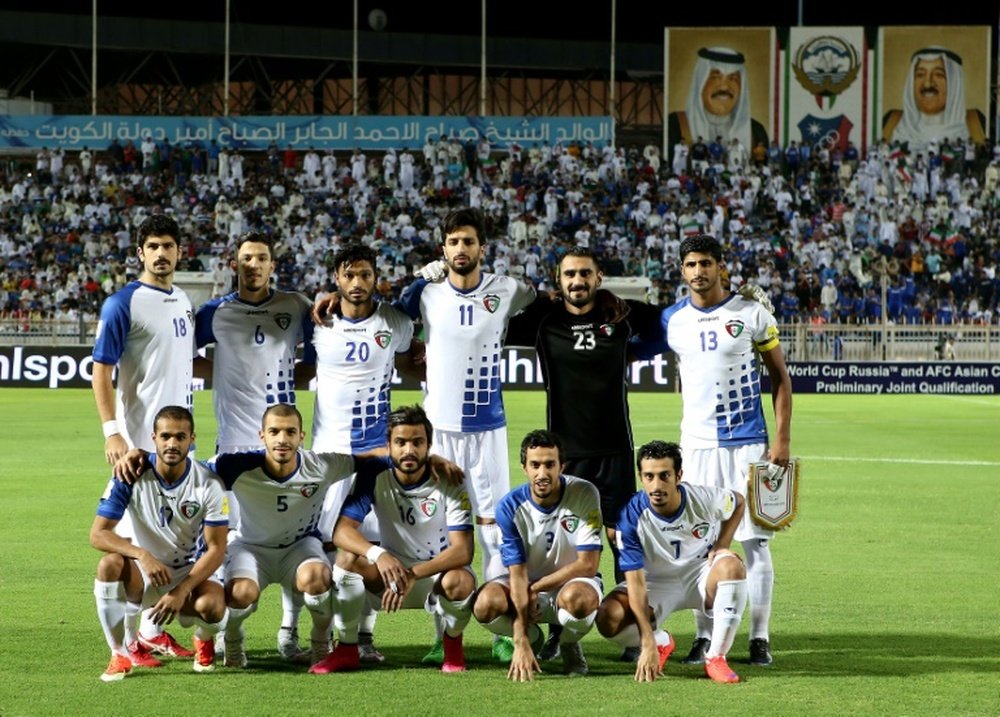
<point>173,503</point>
<point>426,545</point>
<point>551,543</point>
<point>674,540</point>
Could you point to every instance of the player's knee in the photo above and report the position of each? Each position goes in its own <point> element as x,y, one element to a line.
<point>313,578</point>
<point>728,566</point>
<point>490,604</point>
<point>457,584</point>
<point>578,599</point>
<point>611,616</point>
<point>210,607</point>
<point>111,567</point>
<point>242,593</point>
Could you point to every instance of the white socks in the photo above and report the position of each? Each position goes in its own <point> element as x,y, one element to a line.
<point>453,615</point>
<point>350,589</point>
<point>574,627</point>
<point>760,582</point>
<point>321,610</point>
<point>730,598</point>
<point>489,543</point>
<point>110,599</point>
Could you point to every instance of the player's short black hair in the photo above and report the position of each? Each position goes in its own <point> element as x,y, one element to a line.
<point>540,438</point>
<point>656,450</point>
<point>158,225</point>
<point>465,217</point>
<point>353,253</point>
<point>282,410</point>
<point>701,244</point>
<point>409,416</point>
<point>581,252</point>
<point>174,413</point>
<point>257,238</point>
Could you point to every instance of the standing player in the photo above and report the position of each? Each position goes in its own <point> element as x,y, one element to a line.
<point>357,348</point>
<point>426,547</point>
<point>146,330</point>
<point>174,505</point>
<point>256,331</point>
<point>584,354</point>
<point>551,528</point>
<point>465,318</point>
<point>717,337</point>
<point>675,552</point>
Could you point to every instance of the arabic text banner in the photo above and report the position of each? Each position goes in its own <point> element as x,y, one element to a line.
<point>300,131</point>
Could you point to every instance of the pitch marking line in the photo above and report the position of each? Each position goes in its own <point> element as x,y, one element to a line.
<point>917,461</point>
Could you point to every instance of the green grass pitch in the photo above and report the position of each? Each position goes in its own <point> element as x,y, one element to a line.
<point>885,598</point>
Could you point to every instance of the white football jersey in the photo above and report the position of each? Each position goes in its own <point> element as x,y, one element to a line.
<point>254,362</point>
<point>546,539</point>
<point>149,334</point>
<point>464,333</point>
<point>278,513</point>
<point>414,521</point>
<point>720,378</point>
<point>167,519</point>
<point>665,545</point>
<point>355,361</point>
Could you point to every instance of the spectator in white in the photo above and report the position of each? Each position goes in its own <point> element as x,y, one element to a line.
<point>236,169</point>
<point>389,161</point>
<point>311,167</point>
<point>358,160</point>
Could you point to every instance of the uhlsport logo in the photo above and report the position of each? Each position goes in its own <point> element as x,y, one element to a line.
<point>734,327</point>
<point>308,490</point>
<point>570,523</point>
<point>428,507</point>
<point>283,320</point>
<point>190,508</point>
<point>700,531</point>
<point>382,338</point>
<point>491,302</point>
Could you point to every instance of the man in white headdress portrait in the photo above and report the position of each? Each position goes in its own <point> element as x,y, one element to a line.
<point>934,104</point>
<point>718,102</point>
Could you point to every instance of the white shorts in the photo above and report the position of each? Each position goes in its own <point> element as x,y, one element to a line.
<point>685,589</point>
<point>333,503</point>
<point>546,604</point>
<point>483,457</point>
<point>272,565</point>
<point>151,594</point>
<point>727,468</point>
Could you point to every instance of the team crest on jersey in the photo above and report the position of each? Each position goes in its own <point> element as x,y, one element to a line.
<point>570,523</point>
<point>491,302</point>
<point>308,490</point>
<point>190,508</point>
<point>606,329</point>
<point>700,531</point>
<point>190,315</point>
<point>382,338</point>
<point>283,320</point>
<point>428,507</point>
<point>773,482</point>
<point>734,327</point>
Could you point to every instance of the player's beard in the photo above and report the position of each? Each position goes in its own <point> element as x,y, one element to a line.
<point>464,270</point>
<point>581,300</point>
<point>417,464</point>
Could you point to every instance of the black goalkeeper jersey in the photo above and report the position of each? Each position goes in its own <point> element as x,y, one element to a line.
<point>584,365</point>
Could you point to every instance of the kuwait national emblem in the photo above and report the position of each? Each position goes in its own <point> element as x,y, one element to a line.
<point>308,490</point>
<point>428,507</point>
<point>283,320</point>
<point>190,508</point>
<point>491,302</point>
<point>570,523</point>
<point>382,338</point>
<point>606,329</point>
<point>700,531</point>
<point>734,327</point>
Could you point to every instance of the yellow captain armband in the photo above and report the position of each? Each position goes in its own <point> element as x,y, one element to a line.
<point>770,342</point>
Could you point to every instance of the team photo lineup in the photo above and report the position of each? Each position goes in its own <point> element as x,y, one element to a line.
<point>387,507</point>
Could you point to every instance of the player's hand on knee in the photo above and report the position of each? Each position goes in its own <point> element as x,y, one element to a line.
<point>158,573</point>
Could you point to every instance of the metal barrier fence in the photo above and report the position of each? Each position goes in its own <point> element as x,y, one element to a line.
<point>801,342</point>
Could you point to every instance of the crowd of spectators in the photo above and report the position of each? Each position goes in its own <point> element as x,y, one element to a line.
<point>821,230</point>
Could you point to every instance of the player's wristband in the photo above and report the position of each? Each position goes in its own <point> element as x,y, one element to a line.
<point>374,553</point>
<point>110,428</point>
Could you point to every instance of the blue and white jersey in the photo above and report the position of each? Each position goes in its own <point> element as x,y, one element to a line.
<point>464,333</point>
<point>355,361</point>
<point>414,521</point>
<point>149,334</point>
<point>720,380</point>
<point>254,362</point>
<point>167,519</point>
<point>277,513</point>
<point>546,539</point>
<point>665,545</point>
